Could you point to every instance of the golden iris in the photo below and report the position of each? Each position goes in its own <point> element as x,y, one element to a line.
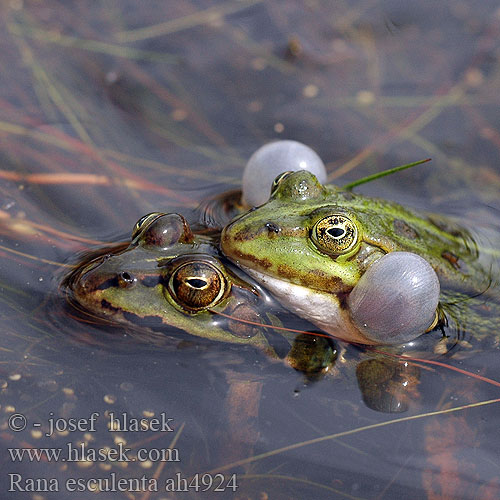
<point>197,285</point>
<point>335,234</point>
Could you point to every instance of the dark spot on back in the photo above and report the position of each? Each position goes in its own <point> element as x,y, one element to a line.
<point>451,258</point>
<point>403,229</point>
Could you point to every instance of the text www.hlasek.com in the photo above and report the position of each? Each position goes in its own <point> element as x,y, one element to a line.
<point>80,452</point>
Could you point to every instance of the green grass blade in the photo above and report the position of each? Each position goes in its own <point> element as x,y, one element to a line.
<point>369,178</point>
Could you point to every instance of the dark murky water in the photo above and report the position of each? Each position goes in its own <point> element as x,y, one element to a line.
<point>110,110</point>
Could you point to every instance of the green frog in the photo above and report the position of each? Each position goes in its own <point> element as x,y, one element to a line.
<point>365,270</point>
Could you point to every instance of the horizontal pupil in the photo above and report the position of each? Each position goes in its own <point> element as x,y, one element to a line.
<point>335,232</point>
<point>196,282</point>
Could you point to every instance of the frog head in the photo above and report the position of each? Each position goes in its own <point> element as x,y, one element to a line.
<point>305,234</point>
<point>169,277</point>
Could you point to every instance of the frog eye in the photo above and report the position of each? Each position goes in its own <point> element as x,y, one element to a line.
<point>162,230</point>
<point>197,285</point>
<point>277,181</point>
<point>335,234</point>
<point>144,221</point>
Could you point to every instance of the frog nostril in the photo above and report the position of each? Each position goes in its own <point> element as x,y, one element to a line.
<point>272,228</point>
<point>126,280</point>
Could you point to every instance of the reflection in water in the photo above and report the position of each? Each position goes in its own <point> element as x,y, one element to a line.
<point>387,385</point>
<point>312,355</point>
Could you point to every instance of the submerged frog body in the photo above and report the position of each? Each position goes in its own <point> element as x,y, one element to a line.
<point>311,245</point>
